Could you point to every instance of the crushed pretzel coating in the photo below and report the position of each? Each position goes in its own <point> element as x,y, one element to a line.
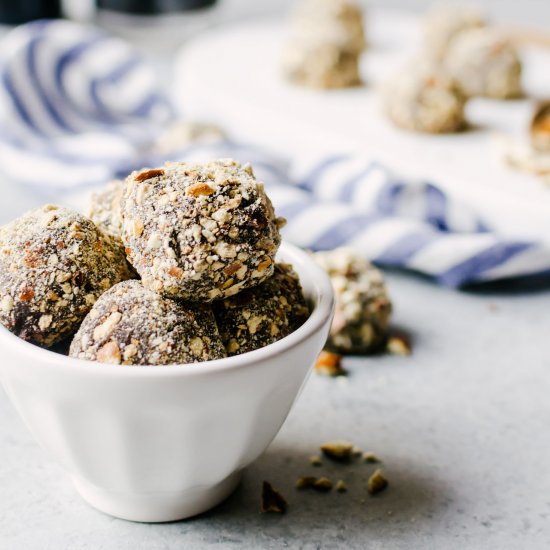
<point>200,218</point>
<point>272,500</point>
<point>443,23</point>
<point>420,97</point>
<point>104,210</point>
<point>363,307</point>
<point>485,62</point>
<point>54,265</point>
<point>131,325</point>
<point>325,44</point>
<point>262,315</point>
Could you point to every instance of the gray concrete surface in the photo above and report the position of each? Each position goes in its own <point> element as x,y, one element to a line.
<point>462,428</point>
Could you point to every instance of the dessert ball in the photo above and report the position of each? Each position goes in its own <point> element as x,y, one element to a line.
<point>363,307</point>
<point>325,44</point>
<point>104,209</point>
<point>484,63</point>
<point>54,264</point>
<point>422,98</point>
<point>262,315</point>
<point>336,22</point>
<point>443,24</point>
<point>199,231</point>
<point>321,66</point>
<point>130,325</point>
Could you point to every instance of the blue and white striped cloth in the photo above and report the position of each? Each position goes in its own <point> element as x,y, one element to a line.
<point>78,108</point>
<point>76,105</point>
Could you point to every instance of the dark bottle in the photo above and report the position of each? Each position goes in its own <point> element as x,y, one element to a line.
<point>152,7</point>
<point>15,12</point>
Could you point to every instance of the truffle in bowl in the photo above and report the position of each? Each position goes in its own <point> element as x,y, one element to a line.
<point>162,443</point>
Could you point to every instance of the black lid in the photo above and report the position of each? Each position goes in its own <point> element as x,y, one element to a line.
<point>148,7</point>
<point>15,12</point>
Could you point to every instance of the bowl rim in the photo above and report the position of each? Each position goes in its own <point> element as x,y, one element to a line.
<point>322,295</point>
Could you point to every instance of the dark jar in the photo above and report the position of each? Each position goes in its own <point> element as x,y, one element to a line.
<point>152,7</point>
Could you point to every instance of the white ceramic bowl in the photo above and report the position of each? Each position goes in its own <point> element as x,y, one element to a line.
<point>165,443</point>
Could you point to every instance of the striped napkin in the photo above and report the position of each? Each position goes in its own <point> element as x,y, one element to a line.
<point>78,108</point>
<point>76,105</point>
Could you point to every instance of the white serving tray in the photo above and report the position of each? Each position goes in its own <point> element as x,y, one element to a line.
<point>231,76</point>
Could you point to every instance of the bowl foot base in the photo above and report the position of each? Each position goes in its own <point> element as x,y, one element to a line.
<point>156,507</point>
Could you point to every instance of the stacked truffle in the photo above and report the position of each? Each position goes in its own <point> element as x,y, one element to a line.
<point>481,60</point>
<point>202,239</point>
<point>484,63</point>
<point>54,265</point>
<point>423,98</point>
<point>325,45</point>
<point>461,58</point>
<point>443,24</point>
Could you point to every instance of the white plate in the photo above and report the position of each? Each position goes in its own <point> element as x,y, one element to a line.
<point>231,76</point>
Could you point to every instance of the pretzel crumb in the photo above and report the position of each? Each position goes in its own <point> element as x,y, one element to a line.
<point>371,458</point>
<point>376,483</point>
<point>323,485</point>
<point>148,174</point>
<point>398,345</point>
<point>315,460</point>
<point>341,487</point>
<point>338,450</point>
<point>305,482</point>
<point>329,364</point>
<point>272,501</point>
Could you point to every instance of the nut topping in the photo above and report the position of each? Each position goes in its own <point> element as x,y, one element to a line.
<point>148,174</point>
<point>198,189</point>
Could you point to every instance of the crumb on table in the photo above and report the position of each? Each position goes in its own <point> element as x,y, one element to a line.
<point>272,500</point>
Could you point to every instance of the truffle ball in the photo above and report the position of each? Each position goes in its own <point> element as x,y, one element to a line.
<point>443,24</point>
<point>336,22</point>
<point>363,307</point>
<point>422,98</point>
<point>131,325</point>
<point>325,44</point>
<point>54,264</point>
<point>484,63</point>
<point>262,315</point>
<point>199,231</point>
<point>321,66</point>
<point>104,209</point>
